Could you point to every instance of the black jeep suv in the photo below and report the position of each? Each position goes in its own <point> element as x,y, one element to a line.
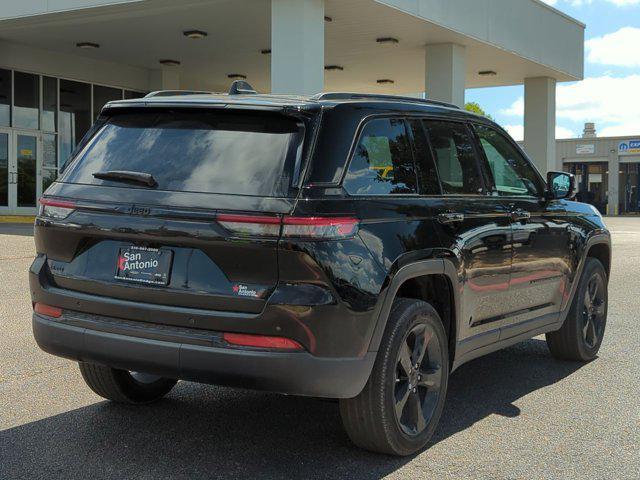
<point>348,246</point>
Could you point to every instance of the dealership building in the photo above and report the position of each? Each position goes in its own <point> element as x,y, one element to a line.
<point>62,60</point>
<point>606,169</point>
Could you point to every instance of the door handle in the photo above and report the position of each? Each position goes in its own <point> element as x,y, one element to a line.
<point>449,218</point>
<point>520,215</point>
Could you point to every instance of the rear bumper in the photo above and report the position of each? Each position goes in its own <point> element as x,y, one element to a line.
<point>178,354</point>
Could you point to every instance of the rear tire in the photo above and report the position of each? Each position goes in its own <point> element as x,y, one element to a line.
<point>401,404</point>
<point>125,387</point>
<point>581,334</point>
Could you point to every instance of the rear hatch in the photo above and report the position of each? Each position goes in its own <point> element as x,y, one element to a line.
<point>157,207</point>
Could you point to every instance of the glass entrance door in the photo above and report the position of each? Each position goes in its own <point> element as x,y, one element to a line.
<point>20,182</point>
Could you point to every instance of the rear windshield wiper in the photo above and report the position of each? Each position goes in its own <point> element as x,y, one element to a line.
<point>127,176</point>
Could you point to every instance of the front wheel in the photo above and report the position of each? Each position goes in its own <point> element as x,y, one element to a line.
<point>399,408</point>
<point>581,334</point>
<point>123,386</point>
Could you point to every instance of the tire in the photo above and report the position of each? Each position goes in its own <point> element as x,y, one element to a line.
<point>370,419</point>
<point>581,334</point>
<point>125,387</point>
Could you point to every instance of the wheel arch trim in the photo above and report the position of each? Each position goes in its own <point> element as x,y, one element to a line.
<point>436,266</point>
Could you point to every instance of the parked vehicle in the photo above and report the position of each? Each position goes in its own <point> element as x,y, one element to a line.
<point>348,246</point>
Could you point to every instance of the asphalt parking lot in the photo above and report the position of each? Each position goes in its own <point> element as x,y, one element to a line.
<point>517,413</point>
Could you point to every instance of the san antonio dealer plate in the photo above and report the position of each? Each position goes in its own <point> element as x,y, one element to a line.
<point>144,265</point>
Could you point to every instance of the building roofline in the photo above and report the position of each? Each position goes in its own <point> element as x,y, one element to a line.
<point>561,13</point>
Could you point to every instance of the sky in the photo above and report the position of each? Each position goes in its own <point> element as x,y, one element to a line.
<point>609,95</point>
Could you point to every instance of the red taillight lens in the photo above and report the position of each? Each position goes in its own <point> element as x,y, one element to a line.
<point>251,225</point>
<point>55,209</point>
<point>261,341</point>
<point>314,228</point>
<point>319,227</point>
<point>47,310</point>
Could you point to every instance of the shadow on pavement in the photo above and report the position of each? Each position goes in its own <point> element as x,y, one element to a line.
<point>207,431</point>
<point>22,229</point>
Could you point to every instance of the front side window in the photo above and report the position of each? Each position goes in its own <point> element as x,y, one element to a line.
<point>512,174</point>
<point>382,163</point>
<point>455,157</point>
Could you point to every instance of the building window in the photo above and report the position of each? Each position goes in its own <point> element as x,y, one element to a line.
<point>129,94</point>
<point>5,98</point>
<point>102,95</point>
<point>49,104</point>
<point>26,100</point>
<point>75,115</point>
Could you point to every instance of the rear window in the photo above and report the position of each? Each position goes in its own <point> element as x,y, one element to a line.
<point>197,151</point>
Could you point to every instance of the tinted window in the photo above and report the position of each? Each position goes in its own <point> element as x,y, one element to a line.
<point>75,115</point>
<point>49,104</point>
<point>455,157</point>
<point>512,174</point>
<point>247,154</point>
<point>102,95</point>
<point>382,162</point>
<point>5,97</point>
<point>429,184</point>
<point>26,100</point>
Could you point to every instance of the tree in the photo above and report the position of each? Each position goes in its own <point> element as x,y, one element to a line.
<point>476,108</point>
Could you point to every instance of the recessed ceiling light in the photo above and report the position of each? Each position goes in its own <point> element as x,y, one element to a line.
<point>266,51</point>
<point>334,68</point>
<point>237,76</point>
<point>87,45</point>
<point>194,34</point>
<point>328,19</point>
<point>387,40</point>
<point>385,81</point>
<point>487,73</point>
<point>167,62</point>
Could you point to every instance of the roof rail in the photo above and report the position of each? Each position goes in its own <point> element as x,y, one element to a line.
<point>172,93</point>
<point>376,96</point>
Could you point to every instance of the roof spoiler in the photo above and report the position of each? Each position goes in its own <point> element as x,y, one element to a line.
<point>240,87</point>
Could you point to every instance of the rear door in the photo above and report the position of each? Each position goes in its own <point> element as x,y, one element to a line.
<point>475,227</point>
<point>183,239</point>
<point>541,242</point>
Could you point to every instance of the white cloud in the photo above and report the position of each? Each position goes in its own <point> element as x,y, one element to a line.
<point>618,48</point>
<point>613,103</point>
<point>579,3</point>
<point>564,132</point>
<point>517,132</point>
<point>624,3</point>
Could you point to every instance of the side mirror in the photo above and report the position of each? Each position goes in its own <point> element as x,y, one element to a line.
<point>560,185</point>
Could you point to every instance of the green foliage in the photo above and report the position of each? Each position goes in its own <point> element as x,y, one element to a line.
<point>476,108</point>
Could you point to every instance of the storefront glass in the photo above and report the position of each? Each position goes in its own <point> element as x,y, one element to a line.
<point>629,187</point>
<point>592,180</point>
<point>26,100</point>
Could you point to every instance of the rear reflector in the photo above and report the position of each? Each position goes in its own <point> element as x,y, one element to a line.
<point>261,341</point>
<point>56,209</point>
<point>313,228</point>
<point>47,310</point>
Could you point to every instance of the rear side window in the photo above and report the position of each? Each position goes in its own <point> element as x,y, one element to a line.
<point>196,151</point>
<point>427,173</point>
<point>383,161</point>
<point>455,157</point>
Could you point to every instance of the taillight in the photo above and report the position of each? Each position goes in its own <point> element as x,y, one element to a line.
<point>319,227</point>
<point>47,310</point>
<point>55,209</point>
<point>312,228</point>
<point>261,341</point>
<point>251,225</point>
